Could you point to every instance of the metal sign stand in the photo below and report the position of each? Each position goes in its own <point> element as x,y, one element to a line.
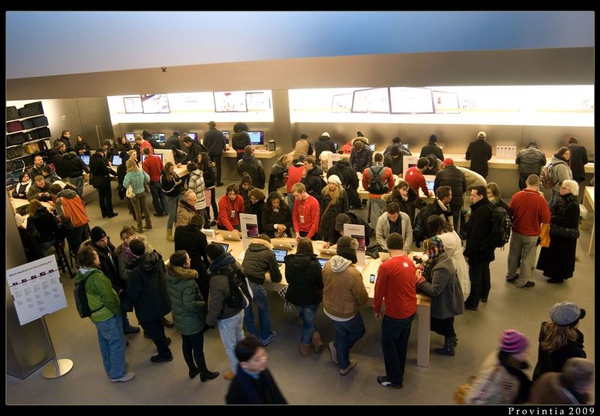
<point>59,367</point>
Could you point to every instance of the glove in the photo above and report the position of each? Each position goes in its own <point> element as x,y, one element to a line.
<point>207,327</point>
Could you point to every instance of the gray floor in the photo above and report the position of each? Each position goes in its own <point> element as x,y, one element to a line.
<point>312,380</point>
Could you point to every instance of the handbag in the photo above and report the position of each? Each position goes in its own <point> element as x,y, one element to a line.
<point>545,235</point>
<point>565,232</point>
<point>287,306</point>
<point>130,192</point>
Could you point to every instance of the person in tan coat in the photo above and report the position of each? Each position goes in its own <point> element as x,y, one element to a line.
<point>343,293</point>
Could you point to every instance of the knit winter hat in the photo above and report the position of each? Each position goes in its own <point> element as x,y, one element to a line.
<point>146,134</point>
<point>481,135</point>
<point>566,313</point>
<point>432,138</point>
<point>512,341</point>
<point>340,220</point>
<point>97,234</point>
<point>334,179</point>
<point>346,247</point>
<point>325,134</point>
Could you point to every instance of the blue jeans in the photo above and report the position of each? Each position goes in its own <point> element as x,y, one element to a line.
<point>78,182</point>
<point>172,202</point>
<point>394,343</point>
<point>522,250</point>
<point>479,274</point>
<point>260,299</point>
<point>308,313</point>
<point>112,345</point>
<point>231,331</point>
<point>159,199</point>
<point>346,335</point>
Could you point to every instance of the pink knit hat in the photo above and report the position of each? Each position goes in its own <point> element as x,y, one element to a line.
<point>512,341</point>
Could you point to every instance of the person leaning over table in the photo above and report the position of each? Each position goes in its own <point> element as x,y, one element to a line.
<point>277,217</point>
<point>343,293</point>
<point>395,285</point>
<point>394,221</point>
<point>347,217</point>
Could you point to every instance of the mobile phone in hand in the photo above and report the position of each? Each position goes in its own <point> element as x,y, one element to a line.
<point>372,278</point>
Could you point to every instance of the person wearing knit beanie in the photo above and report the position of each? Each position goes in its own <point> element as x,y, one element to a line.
<point>97,234</point>
<point>433,138</point>
<point>346,247</point>
<point>566,313</point>
<point>334,179</point>
<point>513,341</point>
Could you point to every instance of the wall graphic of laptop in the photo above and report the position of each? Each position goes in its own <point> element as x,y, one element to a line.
<point>361,241</point>
<point>252,230</point>
<point>280,255</point>
<point>231,235</point>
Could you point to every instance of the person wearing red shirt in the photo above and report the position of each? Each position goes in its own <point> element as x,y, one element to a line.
<point>529,210</point>
<point>414,176</point>
<point>142,144</point>
<point>294,176</point>
<point>396,285</point>
<point>153,166</point>
<point>305,214</point>
<point>230,206</point>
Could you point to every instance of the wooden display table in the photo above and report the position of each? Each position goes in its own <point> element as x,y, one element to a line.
<point>371,267</point>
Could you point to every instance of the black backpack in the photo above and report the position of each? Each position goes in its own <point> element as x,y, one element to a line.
<point>239,289</point>
<point>376,186</point>
<point>81,299</point>
<point>501,227</point>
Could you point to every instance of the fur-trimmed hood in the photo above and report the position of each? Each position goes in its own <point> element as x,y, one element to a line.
<point>261,242</point>
<point>181,273</point>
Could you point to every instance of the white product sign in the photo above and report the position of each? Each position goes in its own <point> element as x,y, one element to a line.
<point>36,289</point>
<point>249,228</point>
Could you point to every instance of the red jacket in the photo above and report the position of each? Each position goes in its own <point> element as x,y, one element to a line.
<point>294,176</point>
<point>416,180</point>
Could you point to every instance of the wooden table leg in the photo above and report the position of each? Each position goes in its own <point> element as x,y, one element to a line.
<point>423,337</point>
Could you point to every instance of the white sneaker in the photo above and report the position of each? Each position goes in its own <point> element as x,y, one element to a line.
<point>272,337</point>
<point>128,376</point>
<point>333,353</point>
<point>344,371</point>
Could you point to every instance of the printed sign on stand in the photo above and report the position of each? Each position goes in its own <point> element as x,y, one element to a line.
<point>358,233</point>
<point>249,228</point>
<point>36,289</point>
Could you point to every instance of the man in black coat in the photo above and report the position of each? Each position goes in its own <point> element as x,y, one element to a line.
<point>253,383</point>
<point>191,239</point>
<point>579,159</point>
<point>215,143</point>
<point>479,152</point>
<point>451,176</point>
<point>100,179</point>
<point>479,250</point>
<point>173,141</point>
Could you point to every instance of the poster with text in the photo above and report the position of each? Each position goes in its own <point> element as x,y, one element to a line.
<point>358,233</point>
<point>36,289</point>
<point>249,227</point>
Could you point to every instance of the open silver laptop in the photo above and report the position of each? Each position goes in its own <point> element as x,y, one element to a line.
<point>280,254</point>
<point>231,235</point>
<point>284,244</point>
<point>327,251</point>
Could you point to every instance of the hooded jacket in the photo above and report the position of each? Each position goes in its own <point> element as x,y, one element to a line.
<point>323,143</point>
<point>147,288</point>
<point>259,260</point>
<point>343,289</point>
<point>303,274</point>
<point>253,167</point>
<point>70,209</point>
<point>102,298</point>
<point>219,289</point>
<point>560,172</point>
<point>189,308</point>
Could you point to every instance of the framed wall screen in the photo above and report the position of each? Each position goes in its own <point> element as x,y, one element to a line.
<point>155,103</point>
<point>372,100</point>
<point>230,101</point>
<point>342,103</point>
<point>411,100</point>
<point>445,102</point>
<point>133,104</point>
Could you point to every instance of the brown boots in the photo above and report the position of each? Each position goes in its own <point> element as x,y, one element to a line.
<point>317,342</point>
<point>170,235</point>
<point>305,349</point>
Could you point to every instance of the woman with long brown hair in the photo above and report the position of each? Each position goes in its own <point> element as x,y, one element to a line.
<point>334,201</point>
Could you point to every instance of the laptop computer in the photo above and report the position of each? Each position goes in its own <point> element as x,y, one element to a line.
<point>281,244</point>
<point>327,251</point>
<point>280,255</point>
<point>322,261</point>
<point>224,245</point>
<point>85,159</point>
<point>231,235</point>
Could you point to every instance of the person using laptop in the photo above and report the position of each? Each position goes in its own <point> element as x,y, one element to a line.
<point>258,261</point>
<point>394,221</point>
<point>230,206</point>
<point>305,291</point>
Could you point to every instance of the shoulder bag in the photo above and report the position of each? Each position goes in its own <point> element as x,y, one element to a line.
<point>565,232</point>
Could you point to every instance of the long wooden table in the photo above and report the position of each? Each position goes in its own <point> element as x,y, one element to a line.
<point>371,267</point>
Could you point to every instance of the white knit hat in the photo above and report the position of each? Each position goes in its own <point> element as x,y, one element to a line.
<point>334,179</point>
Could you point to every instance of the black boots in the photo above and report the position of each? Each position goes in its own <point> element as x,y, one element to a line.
<point>449,345</point>
<point>199,369</point>
<point>208,375</point>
